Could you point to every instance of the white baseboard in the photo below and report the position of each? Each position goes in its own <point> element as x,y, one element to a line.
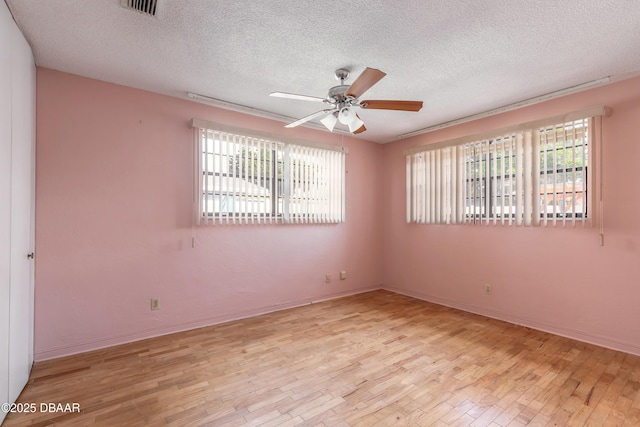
<point>583,336</point>
<point>215,320</point>
<point>195,324</point>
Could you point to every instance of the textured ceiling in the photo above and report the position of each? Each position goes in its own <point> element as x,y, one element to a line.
<point>461,57</point>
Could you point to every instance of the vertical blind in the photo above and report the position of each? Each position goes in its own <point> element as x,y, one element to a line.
<point>314,190</point>
<point>245,179</point>
<point>533,176</point>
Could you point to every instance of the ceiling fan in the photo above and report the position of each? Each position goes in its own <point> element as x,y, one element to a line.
<point>343,99</point>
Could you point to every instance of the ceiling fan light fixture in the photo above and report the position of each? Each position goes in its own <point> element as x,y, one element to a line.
<point>355,124</point>
<point>346,115</point>
<point>349,117</point>
<point>329,121</point>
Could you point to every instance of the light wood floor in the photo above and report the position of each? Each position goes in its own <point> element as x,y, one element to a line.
<point>374,359</point>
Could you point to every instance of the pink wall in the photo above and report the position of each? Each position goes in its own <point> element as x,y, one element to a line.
<point>113,229</point>
<point>555,279</point>
<point>114,223</point>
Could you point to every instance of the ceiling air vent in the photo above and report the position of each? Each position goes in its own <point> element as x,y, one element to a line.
<point>147,7</point>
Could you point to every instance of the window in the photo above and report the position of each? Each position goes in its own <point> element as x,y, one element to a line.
<point>534,174</point>
<point>244,178</point>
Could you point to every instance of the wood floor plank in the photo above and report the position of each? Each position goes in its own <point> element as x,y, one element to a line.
<point>377,358</point>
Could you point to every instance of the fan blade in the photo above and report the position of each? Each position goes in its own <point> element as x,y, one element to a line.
<point>381,104</point>
<point>368,78</point>
<point>360,130</point>
<point>307,118</point>
<point>298,97</point>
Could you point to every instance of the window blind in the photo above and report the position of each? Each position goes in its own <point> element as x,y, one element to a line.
<point>252,179</point>
<point>533,174</point>
<point>315,190</point>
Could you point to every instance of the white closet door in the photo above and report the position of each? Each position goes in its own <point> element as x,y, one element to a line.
<point>22,190</point>
<point>5,197</point>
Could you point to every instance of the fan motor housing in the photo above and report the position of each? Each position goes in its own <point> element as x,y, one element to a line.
<point>337,94</point>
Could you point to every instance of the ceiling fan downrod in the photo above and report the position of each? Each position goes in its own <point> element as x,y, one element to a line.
<point>342,74</point>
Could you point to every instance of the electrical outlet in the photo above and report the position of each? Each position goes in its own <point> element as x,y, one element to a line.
<point>155,303</point>
<point>327,278</point>
<point>343,275</point>
<point>487,289</point>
